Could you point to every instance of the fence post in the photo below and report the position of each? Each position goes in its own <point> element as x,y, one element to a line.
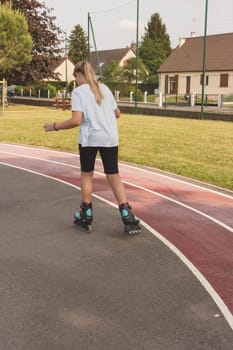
<point>160,99</point>
<point>192,99</point>
<point>4,95</point>
<point>131,96</point>
<point>220,100</point>
<point>145,96</point>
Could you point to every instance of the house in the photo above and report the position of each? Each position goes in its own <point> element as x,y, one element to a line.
<point>63,68</point>
<point>106,56</point>
<point>181,72</point>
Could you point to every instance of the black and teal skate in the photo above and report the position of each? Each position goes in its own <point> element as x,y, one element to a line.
<point>84,217</point>
<point>130,221</point>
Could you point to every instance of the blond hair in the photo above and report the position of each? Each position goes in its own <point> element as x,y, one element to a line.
<point>86,70</point>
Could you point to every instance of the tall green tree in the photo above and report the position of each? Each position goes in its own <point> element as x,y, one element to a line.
<point>78,45</point>
<point>45,36</point>
<point>155,46</point>
<point>15,40</point>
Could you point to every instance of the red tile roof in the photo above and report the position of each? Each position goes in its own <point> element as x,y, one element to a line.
<point>106,56</point>
<point>189,57</point>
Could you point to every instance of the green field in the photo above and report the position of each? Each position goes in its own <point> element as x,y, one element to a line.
<point>198,149</point>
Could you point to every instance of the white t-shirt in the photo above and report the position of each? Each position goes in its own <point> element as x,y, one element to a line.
<point>99,124</point>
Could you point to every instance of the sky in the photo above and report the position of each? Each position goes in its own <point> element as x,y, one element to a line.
<point>114,21</point>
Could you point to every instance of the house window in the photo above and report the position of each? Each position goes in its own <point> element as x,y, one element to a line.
<point>206,79</point>
<point>224,80</point>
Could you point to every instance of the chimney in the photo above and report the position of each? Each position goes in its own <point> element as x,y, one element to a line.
<point>133,47</point>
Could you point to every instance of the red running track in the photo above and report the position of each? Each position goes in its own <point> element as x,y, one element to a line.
<point>192,219</point>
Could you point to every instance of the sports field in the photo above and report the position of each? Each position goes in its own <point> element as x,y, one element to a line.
<point>198,149</point>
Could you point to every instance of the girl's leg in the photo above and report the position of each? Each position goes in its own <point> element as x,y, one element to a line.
<point>130,221</point>
<point>84,217</point>
<point>117,187</point>
<point>110,161</point>
<point>86,186</point>
<point>87,161</point>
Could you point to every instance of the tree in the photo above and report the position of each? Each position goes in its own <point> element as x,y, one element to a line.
<point>155,46</point>
<point>78,45</point>
<point>129,71</point>
<point>45,36</point>
<point>113,72</point>
<point>15,40</point>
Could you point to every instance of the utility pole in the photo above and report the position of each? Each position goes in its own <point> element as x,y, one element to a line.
<point>204,63</point>
<point>88,34</point>
<point>137,32</point>
<point>96,51</point>
<point>66,58</point>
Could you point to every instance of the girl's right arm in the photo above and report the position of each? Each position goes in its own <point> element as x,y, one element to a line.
<point>74,121</point>
<point>117,112</point>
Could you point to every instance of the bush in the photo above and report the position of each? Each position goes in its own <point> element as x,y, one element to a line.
<point>33,90</point>
<point>43,88</point>
<point>228,98</point>
<point>125,88</point>
<point>18,89</point>
<point>140,95</point>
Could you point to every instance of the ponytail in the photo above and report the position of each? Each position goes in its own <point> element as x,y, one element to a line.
<point>85,68</point>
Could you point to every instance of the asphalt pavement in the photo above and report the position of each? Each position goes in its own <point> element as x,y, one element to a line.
<point>62,288</point>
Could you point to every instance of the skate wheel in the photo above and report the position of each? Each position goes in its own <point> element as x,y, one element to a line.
<point>83,225</point>
<point>132,230</point>
<point>89,228</point>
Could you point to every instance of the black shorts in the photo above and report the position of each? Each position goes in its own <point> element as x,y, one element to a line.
<point>109,156</point>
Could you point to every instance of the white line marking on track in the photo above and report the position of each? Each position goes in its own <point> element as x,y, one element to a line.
<point>207,286</point>
<point>180,181</point>
<point>132,167</point>
<point>209,217</point>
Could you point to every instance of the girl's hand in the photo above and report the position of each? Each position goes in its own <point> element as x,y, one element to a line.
<point>50,127</point>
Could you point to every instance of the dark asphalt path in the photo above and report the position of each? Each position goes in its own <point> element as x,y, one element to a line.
<point>62,288</point>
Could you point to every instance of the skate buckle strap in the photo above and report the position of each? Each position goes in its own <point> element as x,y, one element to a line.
<point>125,213</point>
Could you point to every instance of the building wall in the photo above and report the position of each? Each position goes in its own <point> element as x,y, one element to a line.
<point>130,54</point>
<point>213,86</point>
<point>62,71</point>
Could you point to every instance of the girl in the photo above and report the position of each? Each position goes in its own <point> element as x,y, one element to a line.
<point>95,110</point>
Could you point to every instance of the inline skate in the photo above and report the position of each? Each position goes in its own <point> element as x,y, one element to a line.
<point>84,217</point>
<point>130,221</point>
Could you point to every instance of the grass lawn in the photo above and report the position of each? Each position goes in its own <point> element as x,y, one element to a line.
<point>198,149</point>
